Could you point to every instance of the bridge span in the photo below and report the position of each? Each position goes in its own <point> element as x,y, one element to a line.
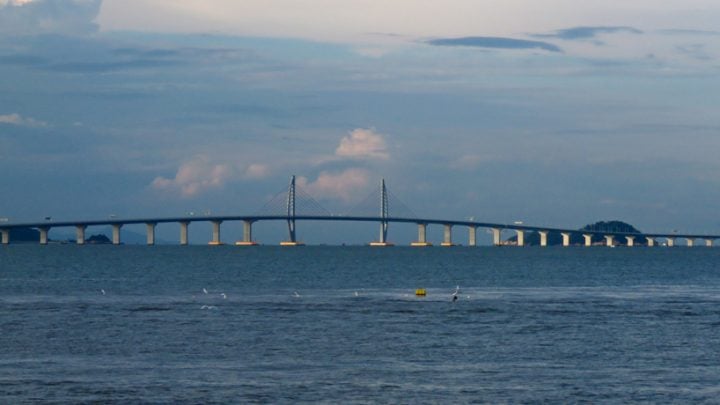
<point>290,216</point>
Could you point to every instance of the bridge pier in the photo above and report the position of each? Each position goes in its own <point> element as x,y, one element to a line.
<point>215,233</point>
<point>150,233</point>
<point>184,233</point>
<point>690,242</point>
<point>709,242</point>
<point>588,239</point>
<point>422,236</point>
<point>670,242</point>
<point>447,235</point>
<point>472,235</point>
<point>630,241</point>
<point>566,239</point>
<point>80,234</point>
<point>610,240</point>
<point>520,237</point>
<point>496,232</point>
<point>247,235</point>
<point>116,233</point>
<point>543,238</point>
<point>44,235</point>
<point>5,236</point>
<point>650,241</point>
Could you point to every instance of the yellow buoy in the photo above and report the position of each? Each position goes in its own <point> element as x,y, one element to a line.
<point>420,292</point>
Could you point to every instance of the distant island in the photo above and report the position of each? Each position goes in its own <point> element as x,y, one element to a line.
<point>99,239</point>
<point>24,235</point>
<point>576,238</point>
<point>32,235</point>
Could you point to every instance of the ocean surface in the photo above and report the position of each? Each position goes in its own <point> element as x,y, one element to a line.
<point>199,324</point>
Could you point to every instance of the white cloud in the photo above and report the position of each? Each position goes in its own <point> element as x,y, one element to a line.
<point>361,20</point>
<point>31,17</point>
<point>201,174</point>
<point>344,185</point>
<point>19,120</point>
<point>195,177</point>
<point>363,144</point>
<point>256,171</point>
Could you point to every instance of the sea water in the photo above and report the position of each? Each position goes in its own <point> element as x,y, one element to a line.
<point>200,324</point>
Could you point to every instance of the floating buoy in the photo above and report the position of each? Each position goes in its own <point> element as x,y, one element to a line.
<point>420,292</point>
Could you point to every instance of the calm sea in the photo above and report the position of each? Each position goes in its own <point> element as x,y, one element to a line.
<point>199,324</point>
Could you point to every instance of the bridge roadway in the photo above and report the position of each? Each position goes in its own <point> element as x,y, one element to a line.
<point>422,223</point>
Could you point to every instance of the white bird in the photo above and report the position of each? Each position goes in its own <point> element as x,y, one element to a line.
<point>223,295</point>
<point>102,291</point>
<point>356,293</point>
<point>455,294</point>
<point>205,291</point>
<point>296,295</point>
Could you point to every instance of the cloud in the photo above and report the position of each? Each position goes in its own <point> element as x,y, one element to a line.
<point>469,162</point>
<point>70,17</point>
<point>694,51</point>
<point>689,32</point>
<point>344,185</point>
<point>587,32</point>
<point>19,120</point>
<point>195,177</point>
<point>201,174</point>
<point>256,171</point>
<point>363,144</point>
<point>494,43</point>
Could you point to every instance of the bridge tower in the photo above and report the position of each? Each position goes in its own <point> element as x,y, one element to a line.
<point>384,215</point>
<point>291,214</point>
<point>291,209</point>
<point>383,212</point>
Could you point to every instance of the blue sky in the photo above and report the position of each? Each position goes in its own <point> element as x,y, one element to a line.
<point>544,111</point>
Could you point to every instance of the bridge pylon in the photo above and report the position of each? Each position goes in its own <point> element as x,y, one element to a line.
<point>291,215</point>
<point>384,214</point>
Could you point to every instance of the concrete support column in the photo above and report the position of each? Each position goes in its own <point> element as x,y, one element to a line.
<point>116,233</point>
<point>566,239</point>
<point>520,237</point>
<point>422,236</point>
<point>43,235</point>
<point>247,239</point>
<point>422,233</point>
<point>472,235</point>
<point>215,233</point>
<point>543,238</point>
<point>630,241</point>
<point>496,232</point>
<point>150,233</point>
<point>184,233</point>
<point>80,234</point>
<point>690,242</point>
<point>670,242</point>
<point>609,240</point>
<point>708,242</point>
<point>5,236</point>
<point>588,239</point>
<point>447,235</point>
<point>650,241</point>
<point>247,231</point>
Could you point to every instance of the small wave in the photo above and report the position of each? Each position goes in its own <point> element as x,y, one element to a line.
<point>149,309</point>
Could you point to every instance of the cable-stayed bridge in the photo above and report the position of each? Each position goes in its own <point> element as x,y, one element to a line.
<point>294,205</point>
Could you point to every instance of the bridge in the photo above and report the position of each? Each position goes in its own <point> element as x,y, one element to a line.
<point>288,200</point>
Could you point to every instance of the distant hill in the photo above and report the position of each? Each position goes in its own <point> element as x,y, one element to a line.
<point>24,235</point>
<point>576,238</point>
<point>99,239</point>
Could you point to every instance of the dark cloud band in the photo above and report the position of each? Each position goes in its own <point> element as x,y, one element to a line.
<point>494,43</point>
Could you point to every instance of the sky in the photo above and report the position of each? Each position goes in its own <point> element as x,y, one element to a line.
<point>551,112</point>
